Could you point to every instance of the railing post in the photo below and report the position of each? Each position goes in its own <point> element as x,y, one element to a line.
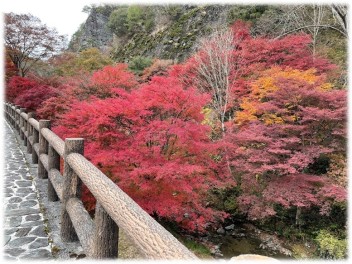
<point>5,108</point>
<point>13,117</point>
<point>10,112</point>
<point>30,132</point>
<point>71,188</point>
<point>25,129</point>
<point>17,119</point>
<point>53,163</point>
<point>6,111</point>
<point>106,236</point>
<point>21,123</point>
<point>43,148</point>
<point>35,140</point>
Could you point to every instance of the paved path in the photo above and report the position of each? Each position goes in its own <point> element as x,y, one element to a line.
<point>32,223</point>
<point>25,231</point>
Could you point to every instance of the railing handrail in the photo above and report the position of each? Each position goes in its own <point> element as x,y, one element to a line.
<point>153,240</point>
<point>54,140</point>
<point>34,123</point>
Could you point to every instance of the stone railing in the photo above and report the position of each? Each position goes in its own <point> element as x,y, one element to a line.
<point>114,208</point>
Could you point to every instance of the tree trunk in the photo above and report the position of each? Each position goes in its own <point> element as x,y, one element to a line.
<point>298,216</point>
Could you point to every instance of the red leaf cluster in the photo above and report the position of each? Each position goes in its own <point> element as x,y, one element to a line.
<point>152,143</point>
<point>17,86</point>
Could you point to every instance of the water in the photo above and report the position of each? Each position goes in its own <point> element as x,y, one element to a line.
<point>234,246</point>
<point>245,239</point>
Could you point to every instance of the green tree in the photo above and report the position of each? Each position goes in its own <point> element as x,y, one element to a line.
<point>140,19</point>
<point>246,13</point>
<point>139,63</point>
<point>88,60</point>
<point>92,59</point>
<point>134,18</point>
<point>118,21</point>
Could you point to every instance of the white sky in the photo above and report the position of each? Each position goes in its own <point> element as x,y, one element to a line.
<point>65,16</point>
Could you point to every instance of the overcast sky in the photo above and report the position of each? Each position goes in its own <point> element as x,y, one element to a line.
<point>65,16</point>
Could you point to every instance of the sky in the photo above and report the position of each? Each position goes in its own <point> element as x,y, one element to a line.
<point>66,18</point>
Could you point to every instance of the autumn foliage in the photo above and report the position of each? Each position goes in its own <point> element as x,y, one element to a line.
<point>152,143</point>
<point>164,143</point>
<point>110,77</point>
<point>17,86</point>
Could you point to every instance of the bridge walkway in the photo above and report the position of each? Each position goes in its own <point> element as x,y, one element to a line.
<point>25,231</point>
<point>32,223</point>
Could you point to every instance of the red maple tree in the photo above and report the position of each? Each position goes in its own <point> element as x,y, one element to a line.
<point>152,143</point>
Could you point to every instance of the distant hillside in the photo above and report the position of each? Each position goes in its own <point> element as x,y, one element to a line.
<point>166,32</point>
<point>172,31</point>
<point>174,34</point>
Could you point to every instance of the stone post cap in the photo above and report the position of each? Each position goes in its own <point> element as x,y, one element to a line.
<point>251,258</point>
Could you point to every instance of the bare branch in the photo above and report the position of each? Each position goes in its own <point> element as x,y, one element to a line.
<point>340,12</point>
<point>310,26</point>
<point>216,60</point>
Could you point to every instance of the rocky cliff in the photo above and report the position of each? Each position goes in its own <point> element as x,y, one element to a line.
<point>94,32</point>
<point>175,38</point>
<point>174,34</point>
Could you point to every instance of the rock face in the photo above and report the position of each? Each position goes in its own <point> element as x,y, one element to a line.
<point>94,32</point>
<point>177,39</point>
<point>173,37</point>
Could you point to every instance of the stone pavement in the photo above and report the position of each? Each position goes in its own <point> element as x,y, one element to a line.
<point>32,223</point>
<point>25,231</point>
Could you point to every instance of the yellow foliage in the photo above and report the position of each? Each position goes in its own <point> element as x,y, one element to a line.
<point>263,86</point>
<point>293,118</point>
<point>266,84</point>
<point>92,59</point>
<point>270,119</point>
<point>326,86</point>
<point>248,113</point>
<point>208,116</point>
<point>242,117</point>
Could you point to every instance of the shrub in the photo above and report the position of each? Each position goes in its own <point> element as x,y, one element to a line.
<point>18,85</point>
<point>330,247</point>
<point>158,67</point>
<point>139,63</point>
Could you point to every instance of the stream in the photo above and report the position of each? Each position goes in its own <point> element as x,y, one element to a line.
<point>232,247</point>
<point>236,240</point>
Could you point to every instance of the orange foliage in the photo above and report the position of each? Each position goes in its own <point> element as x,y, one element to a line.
<point>266,84</point>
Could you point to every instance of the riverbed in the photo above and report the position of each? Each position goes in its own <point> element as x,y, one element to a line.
<point>247,239</point>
